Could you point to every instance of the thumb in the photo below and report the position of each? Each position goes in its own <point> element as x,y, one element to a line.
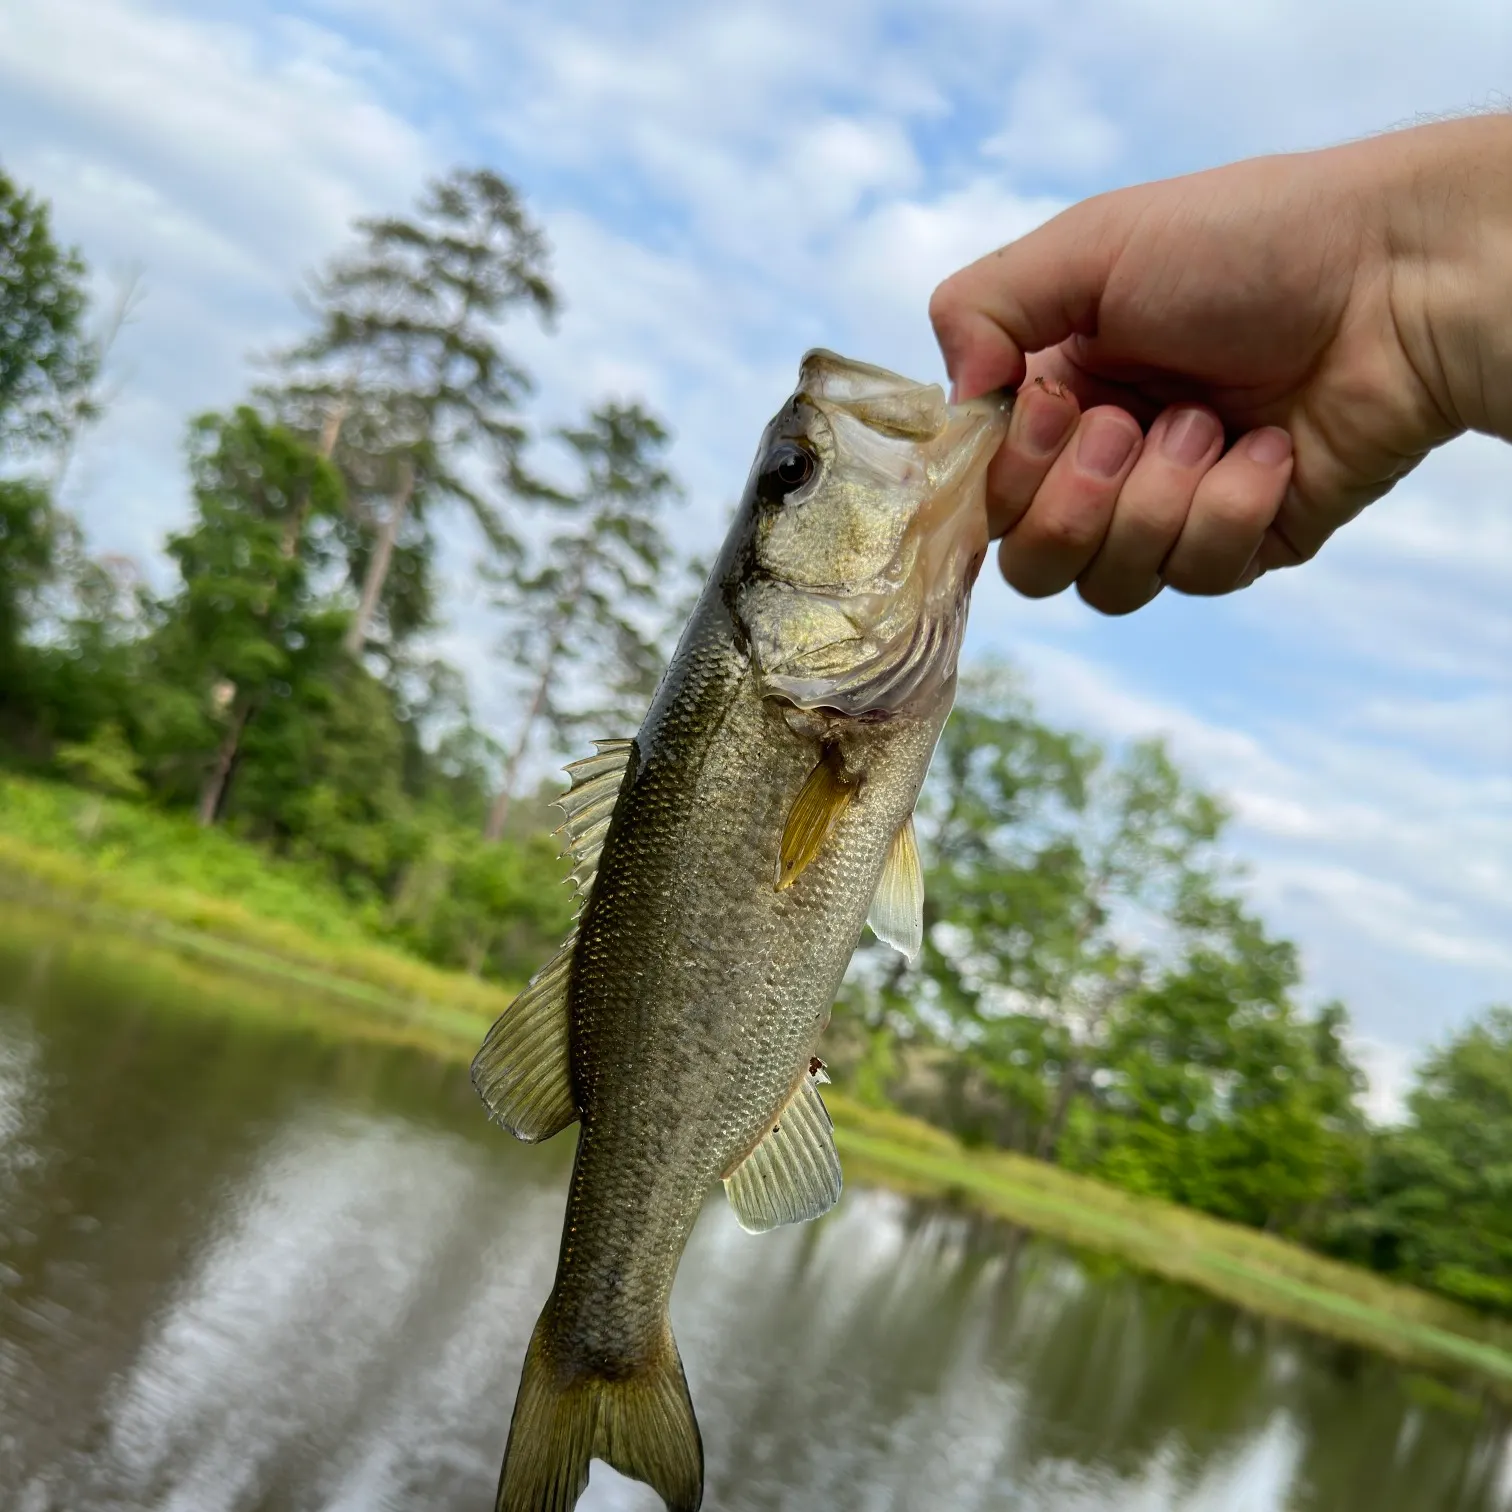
<point>1031,294</point>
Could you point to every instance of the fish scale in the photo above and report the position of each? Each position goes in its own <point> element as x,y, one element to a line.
<point>768,791</point>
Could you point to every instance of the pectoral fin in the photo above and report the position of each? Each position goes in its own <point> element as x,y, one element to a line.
<point>821,801</point>
<point>794,1173</point>
<point>522,1071</point>
<point>897,910</point>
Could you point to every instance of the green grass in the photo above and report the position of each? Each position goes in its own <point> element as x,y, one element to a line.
<point>253,936</point>
<point>162,876</point>
<point>1255,1271</point>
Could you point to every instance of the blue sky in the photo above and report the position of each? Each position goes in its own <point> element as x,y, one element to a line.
<point>726,186</point>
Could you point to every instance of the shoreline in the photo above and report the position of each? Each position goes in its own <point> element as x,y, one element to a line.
<point>237,963</point>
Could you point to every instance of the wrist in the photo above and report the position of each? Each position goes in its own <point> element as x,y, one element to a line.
<point>1449,241</point>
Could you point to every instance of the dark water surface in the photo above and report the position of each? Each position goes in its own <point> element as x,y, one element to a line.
<point>245,1268</point>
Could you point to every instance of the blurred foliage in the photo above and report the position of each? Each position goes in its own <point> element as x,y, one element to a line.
<point>583,607</point>
<point>1434,1205</point>
<point>269,733</point>
<point>47,361</point>
<point>1092,987</point>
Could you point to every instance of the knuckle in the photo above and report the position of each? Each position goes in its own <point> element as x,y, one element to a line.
<point>1070,526</point>
<point>1203,578</point>
<point>1235,499</point>
<point>1027,572</point>
<point>1113,597</point>
<point>943,305</point>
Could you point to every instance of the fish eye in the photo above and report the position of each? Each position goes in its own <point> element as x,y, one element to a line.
<point>788,467</point>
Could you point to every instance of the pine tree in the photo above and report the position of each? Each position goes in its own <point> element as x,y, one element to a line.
<point>406,382</point>
<point>583,610</point>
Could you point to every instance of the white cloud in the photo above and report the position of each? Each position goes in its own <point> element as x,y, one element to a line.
<point>1054,127</point>
<point>1393,873</point>
<point>1388,1069</point>
<point>220,162</point>
<point>1420,582</point>
<point>879,275</point>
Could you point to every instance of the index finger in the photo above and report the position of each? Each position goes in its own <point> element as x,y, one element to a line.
<point>1031,294</point>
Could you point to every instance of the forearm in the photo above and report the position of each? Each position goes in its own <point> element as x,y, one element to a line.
<point>1449,230</point>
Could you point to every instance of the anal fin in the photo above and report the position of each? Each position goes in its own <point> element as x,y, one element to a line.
<point>794,1173</point>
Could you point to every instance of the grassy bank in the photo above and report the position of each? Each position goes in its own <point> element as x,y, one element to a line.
<point>161,876</point>
<point>240,954</point>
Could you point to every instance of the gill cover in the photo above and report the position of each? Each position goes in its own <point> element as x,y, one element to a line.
<point>869,523</point>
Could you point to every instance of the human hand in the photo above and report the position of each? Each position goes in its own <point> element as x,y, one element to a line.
<point>1225,368</point>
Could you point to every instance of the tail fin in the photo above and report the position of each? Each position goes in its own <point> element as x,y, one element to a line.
<point>640,1422</point>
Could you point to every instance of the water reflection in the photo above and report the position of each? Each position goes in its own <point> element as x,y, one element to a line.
<point>242,1269</point>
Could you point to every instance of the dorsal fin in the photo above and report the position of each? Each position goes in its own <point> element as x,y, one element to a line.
<point>589,806</point>
<point>522,1071</point>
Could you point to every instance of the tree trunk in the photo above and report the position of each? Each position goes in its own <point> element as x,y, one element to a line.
<point>213,794</point>
<point>225,759</point>
<point>1076,1066</point>
<point>494,828</point>
<point>330,433</point>
<point>477,953</point>
<point>378,564</point>
<point>1055,1125</point>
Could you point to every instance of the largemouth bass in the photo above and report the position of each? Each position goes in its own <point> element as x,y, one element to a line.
<point>728,858</point>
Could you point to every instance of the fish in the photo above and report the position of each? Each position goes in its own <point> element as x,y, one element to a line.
<point>728,857</point>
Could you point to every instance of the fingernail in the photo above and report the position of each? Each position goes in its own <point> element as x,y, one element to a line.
<point>1188,436</point>
<point>1046,424</point>
<point>1105,445</point>
<point>1269,447</point>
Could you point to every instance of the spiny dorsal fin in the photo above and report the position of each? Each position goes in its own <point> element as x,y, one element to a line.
<point>816,811</point>
<point>522,1072</point>
<point>589,806</point>
<point>897,910</point>
<point>794,1173</point>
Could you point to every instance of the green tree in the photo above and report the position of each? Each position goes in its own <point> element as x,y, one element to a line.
<point>406,379</point>
<point>1436,1202</point>
<point>1055,876</point>
<point>247,611</point>
<point>583,610</point>
<point>1092,990</point>
<point>28,543</point>
<point>46,357</point>
<point>47,364</point>
<point>321,773</point>
<point>1214,1090</point>
<point>497,907</point>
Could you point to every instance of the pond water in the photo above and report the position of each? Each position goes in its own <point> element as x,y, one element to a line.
<point>248,1267</point>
